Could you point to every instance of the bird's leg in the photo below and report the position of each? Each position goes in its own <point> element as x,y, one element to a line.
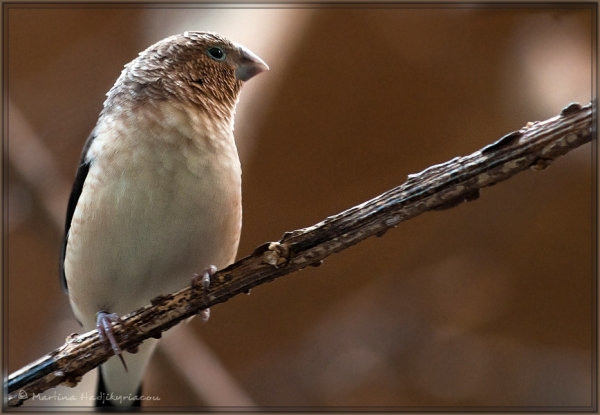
<point>204,279</point>
<point>104,322</point>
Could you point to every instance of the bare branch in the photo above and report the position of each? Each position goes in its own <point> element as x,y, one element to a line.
<point>439,187</point>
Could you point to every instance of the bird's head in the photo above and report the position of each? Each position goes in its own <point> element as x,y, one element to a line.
<point>198,68</point>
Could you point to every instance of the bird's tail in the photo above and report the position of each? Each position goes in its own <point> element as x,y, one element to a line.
<point>118,388</point>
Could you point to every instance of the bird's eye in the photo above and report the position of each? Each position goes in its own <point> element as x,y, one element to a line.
<point>216,53</point>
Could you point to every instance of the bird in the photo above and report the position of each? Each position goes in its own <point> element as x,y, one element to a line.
<point>157,192</point>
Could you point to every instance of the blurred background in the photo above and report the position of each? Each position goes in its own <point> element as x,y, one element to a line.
<point>489,304</point>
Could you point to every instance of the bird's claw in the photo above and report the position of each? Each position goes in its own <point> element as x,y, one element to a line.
<point>104,326</point>
<point>204,279</point>
<point>205,315</point>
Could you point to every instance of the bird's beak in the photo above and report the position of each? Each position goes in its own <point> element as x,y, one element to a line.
<point>249,65</point>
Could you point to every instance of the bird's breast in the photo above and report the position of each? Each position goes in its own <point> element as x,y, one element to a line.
<point>151,214</point>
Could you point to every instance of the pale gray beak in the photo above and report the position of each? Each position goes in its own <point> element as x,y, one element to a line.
<point>249,65</point>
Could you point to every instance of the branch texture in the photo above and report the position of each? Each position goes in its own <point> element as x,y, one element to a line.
<point>438,187</point>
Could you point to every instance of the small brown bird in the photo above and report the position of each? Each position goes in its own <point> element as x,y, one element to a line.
<point>157,195</point>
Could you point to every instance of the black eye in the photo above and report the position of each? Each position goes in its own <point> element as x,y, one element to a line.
<point>216,53</point>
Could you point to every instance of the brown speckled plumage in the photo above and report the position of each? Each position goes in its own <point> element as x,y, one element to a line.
<point>178,68</point>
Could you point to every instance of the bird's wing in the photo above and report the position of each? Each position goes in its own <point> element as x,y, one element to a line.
<point>82,171</point>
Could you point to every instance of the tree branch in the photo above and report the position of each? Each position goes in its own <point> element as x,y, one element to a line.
<point>441,186</point>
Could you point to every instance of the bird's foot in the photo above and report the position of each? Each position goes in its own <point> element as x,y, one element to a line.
<point>104,326</point>
<point>204,279</point>
<point>205,315</point>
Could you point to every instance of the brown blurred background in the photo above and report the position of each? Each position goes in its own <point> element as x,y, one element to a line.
<point>489,304</point>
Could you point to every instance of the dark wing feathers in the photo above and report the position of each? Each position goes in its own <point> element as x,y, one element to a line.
<point>82,171</point>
